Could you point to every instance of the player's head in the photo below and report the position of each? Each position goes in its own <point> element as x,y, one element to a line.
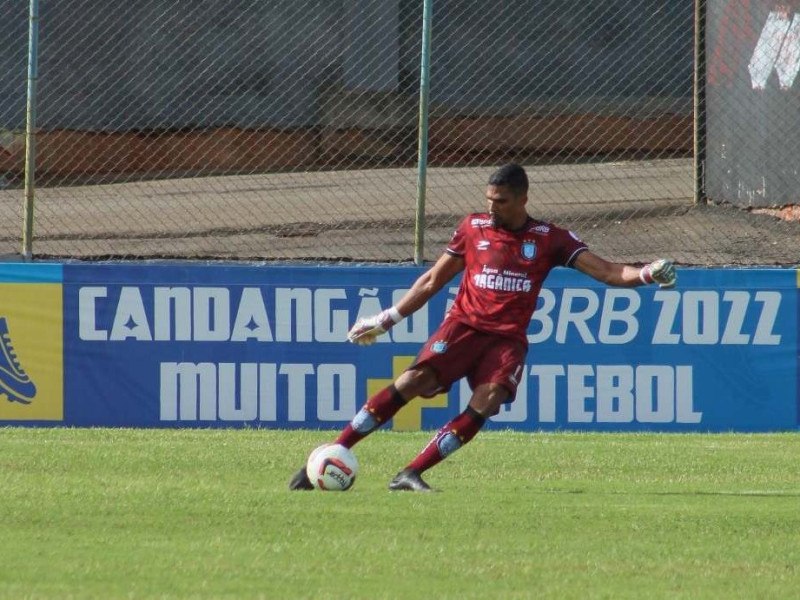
<point>511,176</point>
<point>506,195</point>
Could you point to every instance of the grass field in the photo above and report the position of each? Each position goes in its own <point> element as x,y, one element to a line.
<point>105,513</point>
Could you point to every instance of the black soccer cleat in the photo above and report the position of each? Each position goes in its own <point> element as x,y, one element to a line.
<point>409,480</point>
<point>300,481</point>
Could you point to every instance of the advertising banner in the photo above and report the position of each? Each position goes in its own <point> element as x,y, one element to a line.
<point>189,345</point>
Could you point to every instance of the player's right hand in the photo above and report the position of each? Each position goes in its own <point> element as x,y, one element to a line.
<point>366,331</point>
<point>660,271</point>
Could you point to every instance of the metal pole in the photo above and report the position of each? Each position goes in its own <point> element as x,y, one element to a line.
<point>699,102</point>
<point>422,153</point>
<point>30,130</point>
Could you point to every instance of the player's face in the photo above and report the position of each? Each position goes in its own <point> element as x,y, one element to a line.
<point>506,209</point>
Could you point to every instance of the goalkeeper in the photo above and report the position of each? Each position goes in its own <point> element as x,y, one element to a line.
<point>505,255</point>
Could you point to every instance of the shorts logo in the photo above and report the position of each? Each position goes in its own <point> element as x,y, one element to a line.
<point>439,346</point>
<point>514,377</point>
<point>528,250</point>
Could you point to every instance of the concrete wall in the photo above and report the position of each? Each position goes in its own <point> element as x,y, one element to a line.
<point>753,138</point>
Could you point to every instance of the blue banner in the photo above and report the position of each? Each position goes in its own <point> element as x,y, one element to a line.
<point>188,345</point>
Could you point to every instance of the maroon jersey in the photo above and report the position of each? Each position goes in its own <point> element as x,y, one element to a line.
<point>504,271</point>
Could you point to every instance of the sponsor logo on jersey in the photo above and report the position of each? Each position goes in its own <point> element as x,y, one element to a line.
<point>508,282</point>
<point>439,346</point>
<point>480,222</point>
<point>528,250</point>
<point>540,229</point>
<point>482,245</point>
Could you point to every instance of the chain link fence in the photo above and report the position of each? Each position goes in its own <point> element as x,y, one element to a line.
<point>266,130</point>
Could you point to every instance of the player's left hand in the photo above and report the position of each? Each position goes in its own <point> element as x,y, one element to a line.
<point>660,271</point>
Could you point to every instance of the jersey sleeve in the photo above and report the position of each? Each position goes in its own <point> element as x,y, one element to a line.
<point>458,242</point>
<point>569,246</point>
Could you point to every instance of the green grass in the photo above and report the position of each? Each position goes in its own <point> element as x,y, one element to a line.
<point>102,513</point>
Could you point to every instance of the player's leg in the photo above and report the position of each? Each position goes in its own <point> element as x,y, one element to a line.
<point>486,401</point>
<point>416,381</point>
<point>494,378</point>
<point>431,369</point>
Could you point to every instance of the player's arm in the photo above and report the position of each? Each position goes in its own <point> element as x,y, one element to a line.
<point>660,271</point>
<point>429,283</point>
<point>365,331</point>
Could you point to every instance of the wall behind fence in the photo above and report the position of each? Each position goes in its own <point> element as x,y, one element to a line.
<point>155,65</point>
<point>274,130</point>
<point>753,102</point>
<point>234,346</point>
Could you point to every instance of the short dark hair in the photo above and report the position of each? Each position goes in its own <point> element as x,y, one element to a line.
<point>511,175</point>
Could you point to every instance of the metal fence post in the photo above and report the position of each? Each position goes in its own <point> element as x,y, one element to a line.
<point>699,102</point>
<point>422,154</point>
<point>30,134</point>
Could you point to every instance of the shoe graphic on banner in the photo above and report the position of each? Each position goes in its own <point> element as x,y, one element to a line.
<point>14,382</point>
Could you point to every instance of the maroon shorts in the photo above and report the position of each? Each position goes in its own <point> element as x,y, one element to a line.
<point>456,350</point>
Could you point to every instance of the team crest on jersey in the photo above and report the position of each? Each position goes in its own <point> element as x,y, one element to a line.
<point>528,250</point>
<point>439,346</point>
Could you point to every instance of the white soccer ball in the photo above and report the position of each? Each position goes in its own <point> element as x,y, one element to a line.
<point>332,468</point>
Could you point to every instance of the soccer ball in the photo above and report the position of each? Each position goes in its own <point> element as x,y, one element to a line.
<point>332,468</point>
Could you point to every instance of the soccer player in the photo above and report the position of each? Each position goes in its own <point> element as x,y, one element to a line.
<point>505,255</point>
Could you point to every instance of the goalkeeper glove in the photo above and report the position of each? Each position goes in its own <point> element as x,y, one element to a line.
<point>366,331</point>
<point>660,271</point>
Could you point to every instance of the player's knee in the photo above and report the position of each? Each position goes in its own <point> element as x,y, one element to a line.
<point>487,401</point>
<point>415,382</point>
